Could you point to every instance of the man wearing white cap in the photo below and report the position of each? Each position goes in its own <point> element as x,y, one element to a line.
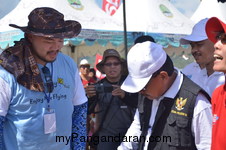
<point>201,71</point>
<point>84,68</point>
<point>179,116</point>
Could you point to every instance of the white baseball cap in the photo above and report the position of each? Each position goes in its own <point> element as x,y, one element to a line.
<point>198,33</point>
<point>143,60</point>
<point>84,62</point>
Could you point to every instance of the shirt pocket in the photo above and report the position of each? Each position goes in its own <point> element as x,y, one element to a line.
<point>179,130</point>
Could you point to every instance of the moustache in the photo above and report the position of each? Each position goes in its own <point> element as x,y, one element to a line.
<point>196,54</point>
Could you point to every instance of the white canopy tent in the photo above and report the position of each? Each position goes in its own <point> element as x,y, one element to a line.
<point>148,16</point>
<point>208,9</point>
<point>91,17</point>
<point>157,16</point>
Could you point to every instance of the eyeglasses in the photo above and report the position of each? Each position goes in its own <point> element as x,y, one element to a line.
<point>114,64</point>
<point>222,37</point>
<point>85,66</point>
<point>48,78</point>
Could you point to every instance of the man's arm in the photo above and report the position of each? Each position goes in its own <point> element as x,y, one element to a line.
<point>2,119</point>
<point>132,133</point>
<point>79,116</point>
<point>131,99</point>
<point>202,123</point>
<point>5,94</point>
<point>79,127</point>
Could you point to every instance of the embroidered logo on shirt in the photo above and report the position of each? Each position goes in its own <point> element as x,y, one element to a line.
<point>215,118</point>
<point>180,102</point>
<point>60,81</point>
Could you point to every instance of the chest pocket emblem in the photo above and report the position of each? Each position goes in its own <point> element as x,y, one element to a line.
<point>60,80</point>
<point>180,102</point>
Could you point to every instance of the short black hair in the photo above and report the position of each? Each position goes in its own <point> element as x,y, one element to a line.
<point>167,67</point>
<point>144,38</point>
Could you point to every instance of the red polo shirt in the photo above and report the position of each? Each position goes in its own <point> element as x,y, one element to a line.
<point>219,119</point>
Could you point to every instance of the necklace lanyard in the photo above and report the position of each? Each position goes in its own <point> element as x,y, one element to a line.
<point>47,97</point>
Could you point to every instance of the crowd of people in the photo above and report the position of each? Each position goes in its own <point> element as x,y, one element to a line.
<point>47,101</point>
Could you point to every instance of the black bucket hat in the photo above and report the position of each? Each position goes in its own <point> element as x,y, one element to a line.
<point>48,22</point>
<point>109,53</point>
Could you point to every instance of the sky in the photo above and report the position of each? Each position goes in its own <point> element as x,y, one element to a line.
<point>187,7</point>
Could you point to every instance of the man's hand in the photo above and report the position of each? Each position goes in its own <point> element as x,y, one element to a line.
<point>90,90</point>
<point>118,91</point>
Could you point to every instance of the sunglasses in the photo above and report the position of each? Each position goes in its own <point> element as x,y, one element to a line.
<point>222,37</point>
<point>48,78</point>
<point>85,66</point>
<point>112,64</point>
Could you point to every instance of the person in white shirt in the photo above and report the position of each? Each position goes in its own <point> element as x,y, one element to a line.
<point>201,71</point>
<point>176,112</point>
<point>191,70</point>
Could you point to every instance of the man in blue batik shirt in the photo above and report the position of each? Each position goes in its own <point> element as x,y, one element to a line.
<point>42,100</point>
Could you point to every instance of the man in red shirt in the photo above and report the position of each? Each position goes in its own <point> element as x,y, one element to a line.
<point>216,32</point>
<point>84,68</point>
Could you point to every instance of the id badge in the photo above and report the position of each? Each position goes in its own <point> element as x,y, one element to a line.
<point>49,121</point>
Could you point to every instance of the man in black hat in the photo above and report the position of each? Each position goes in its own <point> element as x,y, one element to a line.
<point>42,100</point>
<point>114,107</point>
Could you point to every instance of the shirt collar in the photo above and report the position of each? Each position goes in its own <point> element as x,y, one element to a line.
<point>175,87</point>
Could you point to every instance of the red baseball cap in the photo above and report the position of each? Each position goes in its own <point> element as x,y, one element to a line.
<point>213,27</point>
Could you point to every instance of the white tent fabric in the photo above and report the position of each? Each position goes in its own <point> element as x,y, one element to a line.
<point>159,18</point>
<point>208,9</point>
<point>156,16</point>
<point>91,17</point>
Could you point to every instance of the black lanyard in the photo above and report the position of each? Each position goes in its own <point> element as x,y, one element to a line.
<point>50,82</point>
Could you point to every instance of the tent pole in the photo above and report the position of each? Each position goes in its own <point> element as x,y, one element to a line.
<point>125,30</point>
